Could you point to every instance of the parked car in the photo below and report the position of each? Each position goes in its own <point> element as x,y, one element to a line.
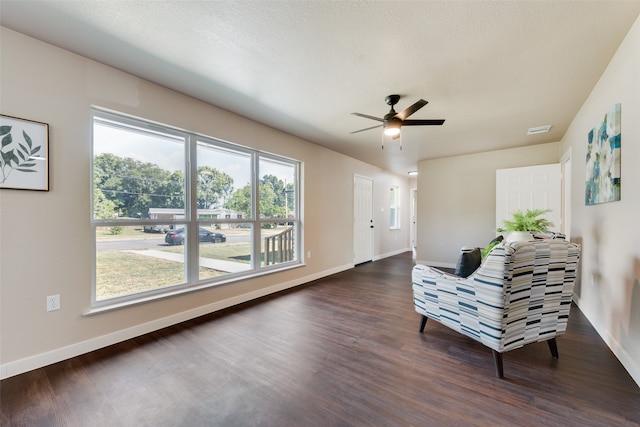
<point>157,228</point>
<point>176,237</point>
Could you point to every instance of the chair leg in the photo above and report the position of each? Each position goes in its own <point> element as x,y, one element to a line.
<point>497,359</point>
<point>423,323</point>
<point>553,347</point>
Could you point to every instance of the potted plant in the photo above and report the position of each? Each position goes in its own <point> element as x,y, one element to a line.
<point>520,227</point>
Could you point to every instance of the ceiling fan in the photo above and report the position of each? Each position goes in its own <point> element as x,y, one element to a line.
<point>392,121</point>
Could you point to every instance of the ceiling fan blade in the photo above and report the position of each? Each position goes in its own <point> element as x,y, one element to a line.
<point>427,122</point>
<point>366,116</point>
<point>402,115</point>
<point>362,130</point>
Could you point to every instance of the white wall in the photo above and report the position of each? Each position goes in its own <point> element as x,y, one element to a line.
<point>457,199</point>
<point>609,290</point>
<point>45,246</point>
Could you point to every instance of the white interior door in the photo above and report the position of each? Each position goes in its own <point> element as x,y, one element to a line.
<point>362,219</point>
<point>532,187</point>
<point>566,194</point>
<point>414,218</point>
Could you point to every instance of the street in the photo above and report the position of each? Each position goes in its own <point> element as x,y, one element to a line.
<point>149,241</point>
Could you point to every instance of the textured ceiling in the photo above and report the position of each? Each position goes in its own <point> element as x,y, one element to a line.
<point>491,69</point>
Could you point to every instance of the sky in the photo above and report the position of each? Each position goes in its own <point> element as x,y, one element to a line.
<point>168,152</point>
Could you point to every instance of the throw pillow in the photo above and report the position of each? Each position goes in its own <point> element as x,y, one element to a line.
<point>468,261</point>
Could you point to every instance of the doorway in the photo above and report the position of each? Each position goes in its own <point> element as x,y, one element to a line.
<point>531,187</point>
<point>362,219</point>
<point>565,162</point>
<point>413,232</point>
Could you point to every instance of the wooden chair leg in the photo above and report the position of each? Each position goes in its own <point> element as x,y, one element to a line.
<point>553,346</point>
<point>423,323</point>
<point>497,359</point>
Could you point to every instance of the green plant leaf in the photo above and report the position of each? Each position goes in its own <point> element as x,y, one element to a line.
<point>15,158</point>
<point>6,157</point>
<point>28,165</point>
<point>7,140</point>
<point>35,150</point>
<point>25,170</point>
<point>530,220</point>
<point>5,130</point>
<point>9,157</point>
<point>22,156</point>
<point>27,138</point>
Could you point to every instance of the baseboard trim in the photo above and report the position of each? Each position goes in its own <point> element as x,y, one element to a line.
<point>392,253</point>
<point>54,356</point>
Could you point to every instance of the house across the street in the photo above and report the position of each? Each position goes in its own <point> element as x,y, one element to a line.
<point>177,213</point>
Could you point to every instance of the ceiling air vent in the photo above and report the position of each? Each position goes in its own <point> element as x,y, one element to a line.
<point>539,129</point>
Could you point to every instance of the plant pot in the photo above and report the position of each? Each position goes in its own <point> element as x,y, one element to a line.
<point>519,236</point>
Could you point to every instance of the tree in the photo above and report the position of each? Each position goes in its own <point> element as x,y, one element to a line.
<point>173,190</point>
<point>278,187</point>
<point>103,208</point>
<point>130,187</point>
<point>274,197</point>
<point>275,200</point>
<point>240,201</point>
<point>135,186</point>
<point>213,186</point>
<point>270,206</point>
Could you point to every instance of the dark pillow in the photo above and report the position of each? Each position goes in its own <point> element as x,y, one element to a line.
<point>468,261</point>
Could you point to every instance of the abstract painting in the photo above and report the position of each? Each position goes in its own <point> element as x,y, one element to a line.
<point>603,160</point>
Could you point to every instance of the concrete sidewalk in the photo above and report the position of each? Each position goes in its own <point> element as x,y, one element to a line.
<point>215,264</point>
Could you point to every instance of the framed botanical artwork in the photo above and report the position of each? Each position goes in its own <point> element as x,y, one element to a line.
<point>24,154</point>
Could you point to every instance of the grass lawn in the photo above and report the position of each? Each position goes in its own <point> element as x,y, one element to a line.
<point>124,273</point>
<point>235,252</point>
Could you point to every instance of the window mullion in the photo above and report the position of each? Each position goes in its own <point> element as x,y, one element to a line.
<point>255,197</point>
<point>192,246</point>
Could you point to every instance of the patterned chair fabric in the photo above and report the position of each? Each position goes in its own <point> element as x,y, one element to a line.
<point>519,295</point>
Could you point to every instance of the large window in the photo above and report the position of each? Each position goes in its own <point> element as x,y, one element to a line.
<point>394,207</point>
<point>174,211</point>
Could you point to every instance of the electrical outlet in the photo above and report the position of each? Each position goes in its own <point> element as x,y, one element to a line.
<point>53,302</point>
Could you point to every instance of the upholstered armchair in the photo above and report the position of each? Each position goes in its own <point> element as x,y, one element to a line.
<point>520,294</point>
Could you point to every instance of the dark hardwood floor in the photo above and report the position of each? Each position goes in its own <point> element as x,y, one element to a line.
<point>341,351</point>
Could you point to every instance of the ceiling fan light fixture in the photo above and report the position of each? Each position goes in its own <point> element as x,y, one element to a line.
<point>392,125</point>
<point>392,130</point>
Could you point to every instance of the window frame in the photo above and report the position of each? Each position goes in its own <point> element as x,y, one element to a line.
<point>191,220</point>
<point>394,208</point>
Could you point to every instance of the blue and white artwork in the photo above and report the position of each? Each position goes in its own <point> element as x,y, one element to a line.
<point>603,160</point>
